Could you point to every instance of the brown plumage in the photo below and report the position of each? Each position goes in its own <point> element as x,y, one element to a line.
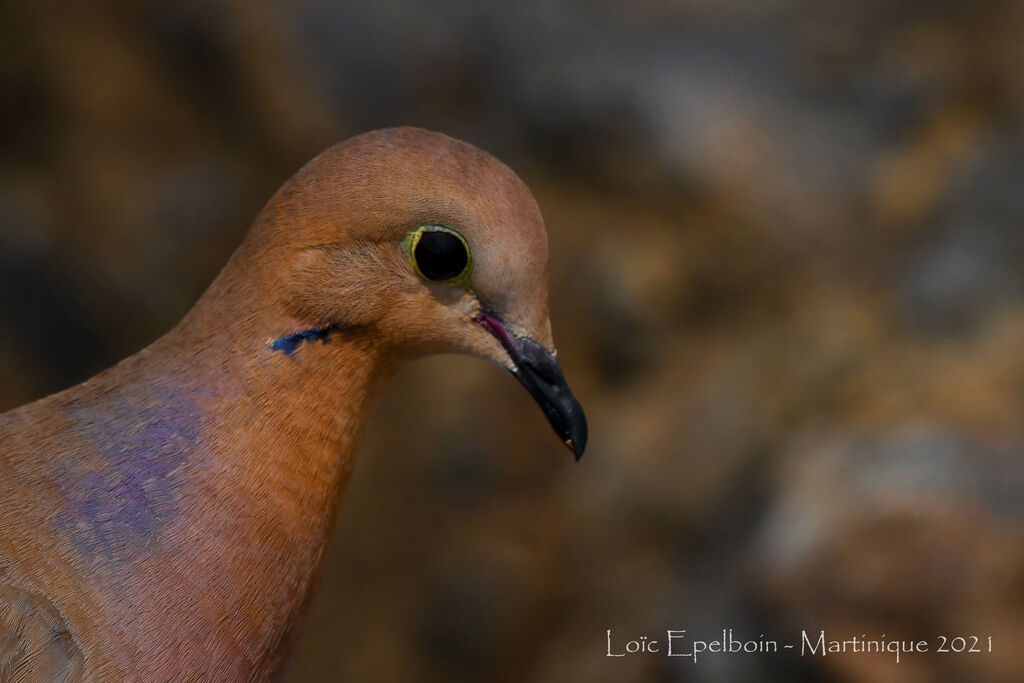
<point>165,519</point>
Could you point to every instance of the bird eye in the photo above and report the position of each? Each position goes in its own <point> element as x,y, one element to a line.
<point>439,254</point>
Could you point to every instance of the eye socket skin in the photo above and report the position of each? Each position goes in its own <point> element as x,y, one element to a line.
<point>440,254</point>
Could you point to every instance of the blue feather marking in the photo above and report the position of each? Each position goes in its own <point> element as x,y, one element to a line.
<point>292,342</point>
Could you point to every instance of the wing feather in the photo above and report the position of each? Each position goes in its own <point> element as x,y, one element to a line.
<point>35,643</point>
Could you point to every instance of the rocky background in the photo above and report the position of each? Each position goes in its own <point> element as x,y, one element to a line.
<point>787,244</point>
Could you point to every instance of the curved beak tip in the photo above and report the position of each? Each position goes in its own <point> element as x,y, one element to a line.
<point>540,373</point>
<point>572,447</point>
<point>538,370</point>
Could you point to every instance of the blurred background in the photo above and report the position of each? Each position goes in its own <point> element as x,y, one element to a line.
<point>787,241</point>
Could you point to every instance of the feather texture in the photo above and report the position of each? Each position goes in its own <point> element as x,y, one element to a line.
<point>166,519</point>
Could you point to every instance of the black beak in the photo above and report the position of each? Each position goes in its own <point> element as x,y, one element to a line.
<point>538,370</point>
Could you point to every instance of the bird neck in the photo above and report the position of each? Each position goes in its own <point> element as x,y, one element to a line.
<point>259,494</point>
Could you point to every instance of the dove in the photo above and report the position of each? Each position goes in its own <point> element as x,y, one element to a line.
<point>167,519</point>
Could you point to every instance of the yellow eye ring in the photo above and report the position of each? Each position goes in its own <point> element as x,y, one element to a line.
<point>440,254</point>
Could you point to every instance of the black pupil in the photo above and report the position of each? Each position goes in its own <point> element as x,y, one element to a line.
<point>440,255</point>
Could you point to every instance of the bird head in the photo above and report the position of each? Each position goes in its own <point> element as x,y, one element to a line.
<point>431,245</point>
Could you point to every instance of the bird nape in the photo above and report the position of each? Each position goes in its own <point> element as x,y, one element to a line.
<point>165,519</point>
